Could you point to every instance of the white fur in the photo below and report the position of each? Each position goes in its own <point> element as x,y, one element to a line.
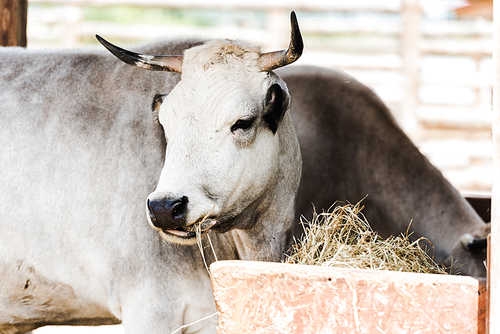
<point>221,83</point>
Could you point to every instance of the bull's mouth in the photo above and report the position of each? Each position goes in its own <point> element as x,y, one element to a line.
<point>190,232</point>
<point>181,233</point>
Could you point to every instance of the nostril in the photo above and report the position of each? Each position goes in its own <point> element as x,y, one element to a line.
<point>167,213</point>
<point>151,213</point>
<point>179,207</point>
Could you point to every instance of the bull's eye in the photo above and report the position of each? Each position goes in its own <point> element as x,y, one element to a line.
<point>243,124</point>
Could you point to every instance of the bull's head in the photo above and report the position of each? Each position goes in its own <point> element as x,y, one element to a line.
<point>231,147</point>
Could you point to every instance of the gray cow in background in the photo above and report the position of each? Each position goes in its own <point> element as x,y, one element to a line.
<point>352,148</point>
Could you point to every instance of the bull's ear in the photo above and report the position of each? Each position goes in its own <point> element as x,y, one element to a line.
<point>277,103</point>
<point>157,101</point>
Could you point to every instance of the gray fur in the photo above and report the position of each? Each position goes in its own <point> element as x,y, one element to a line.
<point>352,148</point>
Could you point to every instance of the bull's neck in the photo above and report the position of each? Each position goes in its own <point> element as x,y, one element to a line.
<point>268,237</point>
<point>271,235</point>
<point>263,233</point>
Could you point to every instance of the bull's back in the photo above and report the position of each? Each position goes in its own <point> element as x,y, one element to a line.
<point>78,158</point>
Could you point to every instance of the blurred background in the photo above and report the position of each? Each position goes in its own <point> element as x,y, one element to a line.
<point>429,60</point>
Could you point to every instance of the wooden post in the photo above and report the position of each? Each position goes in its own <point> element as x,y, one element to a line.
<point>488,272</point>
<point>410,54</point>
<point>13,15</point>
<point>72,18</point>
<point>494,260</point>
<point>278,24</point>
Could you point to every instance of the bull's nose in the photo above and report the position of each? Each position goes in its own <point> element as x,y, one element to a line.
<point>168,213</point>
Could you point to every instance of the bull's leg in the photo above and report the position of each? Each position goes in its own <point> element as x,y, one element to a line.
<point>169,310</point>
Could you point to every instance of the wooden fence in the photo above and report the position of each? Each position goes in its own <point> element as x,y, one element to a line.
<point>13,22</point>
<point>436,75</point>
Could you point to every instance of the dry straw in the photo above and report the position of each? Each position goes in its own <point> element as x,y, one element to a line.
<point>343,238</point>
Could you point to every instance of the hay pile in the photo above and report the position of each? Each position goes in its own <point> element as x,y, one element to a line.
<point>343,238</point>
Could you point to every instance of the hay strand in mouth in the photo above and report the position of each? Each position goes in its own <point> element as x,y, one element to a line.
<point>199,229</point>
<point>199,236</point>
<point>342,237</point>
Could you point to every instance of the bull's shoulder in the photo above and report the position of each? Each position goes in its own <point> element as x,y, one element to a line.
<point>82,82</point>
<point>25,72</point>
<point>31,57</point>
<point>16,60</point>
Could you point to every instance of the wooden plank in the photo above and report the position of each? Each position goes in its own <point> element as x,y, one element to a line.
<point>391,6</point>
<point>13,15</point>
<point>411,56</point>
<point>494,260</point>
<point>260,297</point>
<point>481,204</point>
<point>479,47</point>
<point>488,271</point>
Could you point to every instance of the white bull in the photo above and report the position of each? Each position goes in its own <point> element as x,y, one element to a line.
<point>76,172</point>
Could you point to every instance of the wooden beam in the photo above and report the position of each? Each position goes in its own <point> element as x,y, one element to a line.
<point>411,56</point>
<point>390,6</point>
<point>488,271</point>
<point>13,18</point>
<point>494,260</point>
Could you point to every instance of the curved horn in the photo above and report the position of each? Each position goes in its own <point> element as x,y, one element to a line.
<point>149,62</point>
<point>272,60</point>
